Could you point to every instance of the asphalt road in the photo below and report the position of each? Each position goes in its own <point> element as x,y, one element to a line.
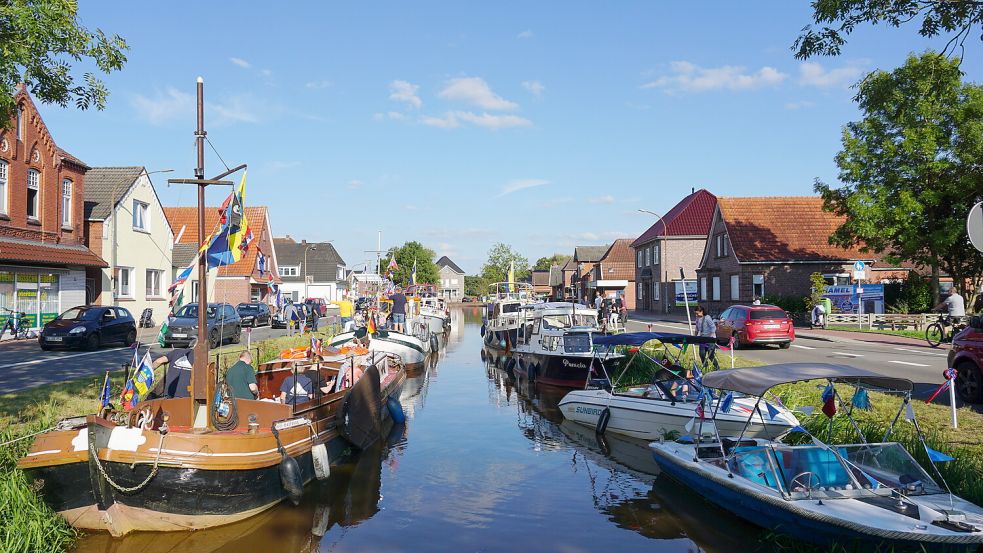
<point>920,364</point>
<point>24,365</point>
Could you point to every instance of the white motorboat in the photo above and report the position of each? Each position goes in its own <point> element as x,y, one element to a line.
<point>874,495</point>
<point>667,405</point>
<point>410,349</point>
<point>430,309</point>
<point>501,318</point>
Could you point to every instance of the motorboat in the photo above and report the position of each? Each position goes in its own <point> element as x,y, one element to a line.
<point>409,348</point>
<point>872,494</point>
<point>554,344</point>
<point>501,318</point>
<point>665,405</point>
<point>431,309</point>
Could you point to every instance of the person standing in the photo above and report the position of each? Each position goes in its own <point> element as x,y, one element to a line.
<point>241,377</point>
<point>705,326</point>
<point>290,317</point>
<point>345,311</point>
<point>315,317</point>
<point>399,310</point>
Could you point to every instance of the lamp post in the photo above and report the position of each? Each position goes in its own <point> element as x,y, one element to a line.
<point>307,249</point>
<point>665,232</point>
<point>112,210</point>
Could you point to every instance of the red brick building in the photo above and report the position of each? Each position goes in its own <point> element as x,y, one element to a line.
<point>43,256</point>
<point>614,273</point>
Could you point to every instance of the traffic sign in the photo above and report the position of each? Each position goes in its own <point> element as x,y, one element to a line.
<point>974,226</point>
<point>859,266</point>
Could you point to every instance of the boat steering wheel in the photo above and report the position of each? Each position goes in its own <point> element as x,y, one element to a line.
<point>807,483</point>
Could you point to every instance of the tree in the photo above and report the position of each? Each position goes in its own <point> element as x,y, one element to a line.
<point>38,39</point>
<point>474,286</point>
<point>544,263</point>
<point>426,271</point>
<point>911,167</point>
<point>838,18</point>
<point>500,257</point>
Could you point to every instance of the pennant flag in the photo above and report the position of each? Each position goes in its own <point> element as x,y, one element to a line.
<point>511,277</point>
<point>690,423</point>
<point>143,378</point>
<point>128,399</point>
<point>909,413</point>
<point>392,263</point>
<point>772,411</point>
<point>938,456</point>
<point>829,401</point>
<point>261,263</point>
<point>697,375</point>
<point>683,350</point>
<point>797,429</point>
<point>806,410</point>
<point>370,325</point>
<point>233,237</point>
<point>726,402</point>
<point>861,400</point>
<point>413,274</point>
<point>181,292</point>
<point>699,410</point>
<point>104,396</point>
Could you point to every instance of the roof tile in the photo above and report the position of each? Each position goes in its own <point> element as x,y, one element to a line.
<point>184,223</point>
<point>692,216</point>
<point>24,251</point>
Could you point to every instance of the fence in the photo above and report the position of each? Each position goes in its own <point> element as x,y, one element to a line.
<point>893,321</point>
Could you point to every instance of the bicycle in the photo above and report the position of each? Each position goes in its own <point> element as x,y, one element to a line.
<point>942,331</point>
<point>17,323</point>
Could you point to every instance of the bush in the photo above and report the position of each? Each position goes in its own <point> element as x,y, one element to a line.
<point>792,304</point>
<point>916,294</point>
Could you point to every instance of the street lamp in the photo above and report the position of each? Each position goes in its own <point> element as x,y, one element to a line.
<point>307,249</point>
<point>112,210</point>
<point>665,233</point>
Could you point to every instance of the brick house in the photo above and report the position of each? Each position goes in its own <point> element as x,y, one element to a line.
<point>676,241</point>
<point>614,273</point>
<point>451,279</point>
<point>43,256</point>
<point>562,278</point>
<point>324,271</point>
<point>769,247</point>
<point>584,258</point>
<point>240,282</point>
<point>541,282</point>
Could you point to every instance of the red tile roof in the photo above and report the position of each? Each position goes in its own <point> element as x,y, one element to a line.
<point>620,250</point>
<point>690,217</point>
<point>540,278</point>
<point>48,254</point>
<point>187,218</point>
<point>785,228</point>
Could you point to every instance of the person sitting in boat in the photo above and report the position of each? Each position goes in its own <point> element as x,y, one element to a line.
<point>241,377</point>
<point>296,391</point>
<point>359,327</point>
<point>177,376</point>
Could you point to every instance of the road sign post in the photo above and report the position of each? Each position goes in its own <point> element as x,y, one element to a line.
<point>859,274</point>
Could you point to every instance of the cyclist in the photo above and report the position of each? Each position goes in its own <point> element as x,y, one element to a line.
<point>954,305</point>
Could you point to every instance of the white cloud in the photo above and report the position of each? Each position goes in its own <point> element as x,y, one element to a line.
<point>394,115</point>
<point>608,199</point>
<point>525,34</point>
<point>475,91</point>
<point>454,119</point>
<point>814,74</point>
<point>355,184</point>
<point>688,77</point>
<point>803,104</point>
<point>403,91</point>
<point>172,104</point>
<point>241,62</point>
<point>521,184</point>
<point>235,110</point>
<point>448,121</point>
<point>323,83</point>
<point>266,73</point>
<point>535,87</point>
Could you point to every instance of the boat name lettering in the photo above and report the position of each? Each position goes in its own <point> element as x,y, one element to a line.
<point>589,410</point>
<point>283,425</point>
<point>576,365</point>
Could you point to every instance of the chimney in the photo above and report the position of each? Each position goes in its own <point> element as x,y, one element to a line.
<point>303,242</point>
<point>692,190</point>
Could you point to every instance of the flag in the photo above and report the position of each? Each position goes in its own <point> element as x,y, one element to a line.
<point>370,325</point>
<point>829,400</point>
<point>772,411</point>
<point>861,400</point>
<point>797,428</point>
<point>511,277</point>
<point>129,397</point>
<point>937,456</point>
<point>227,245</point>
<point>106,391</point>
<point>180,292</point>
<point>699,410</point>
<point>697,374</point>
<point>726,402</point>
<point>413,274</point>
<point>261,263</point>
<point>392,263</point>
<point>689,424</point>
<point>143,378</point>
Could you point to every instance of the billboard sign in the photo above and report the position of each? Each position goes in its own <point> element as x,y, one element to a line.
<point>845,299</point>
<point>690,292</point>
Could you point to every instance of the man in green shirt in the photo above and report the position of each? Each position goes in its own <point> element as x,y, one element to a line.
<point>242,378</point>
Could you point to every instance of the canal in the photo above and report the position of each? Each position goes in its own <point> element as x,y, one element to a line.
<point>483,463</point>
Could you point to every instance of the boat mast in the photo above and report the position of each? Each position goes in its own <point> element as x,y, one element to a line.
<point>202,381</point>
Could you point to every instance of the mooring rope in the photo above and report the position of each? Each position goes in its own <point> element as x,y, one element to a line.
<point>138,487</point>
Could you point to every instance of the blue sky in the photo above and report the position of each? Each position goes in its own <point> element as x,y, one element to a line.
<point>459,124</point>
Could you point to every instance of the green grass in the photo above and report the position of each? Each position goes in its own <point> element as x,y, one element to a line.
<point>919,334</point>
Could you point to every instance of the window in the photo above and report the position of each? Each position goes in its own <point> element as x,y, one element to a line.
<point>124,288</point>
<point>453,282</point>
<point>722,245</point>
<point>66,203</point>
<point>290,271</point>
<point>20,123</point>
<point>141,216</point>
<point>840,279</point>
<point>3,186</point>
<point>655,291</point>
<point>341,273</point>
<point>758,285</point>
<point>648,257</point>
<point>33,192</point>
<point>655,254</point>
<point>154,280</point>
<point>716,288</point>
<point>735,287</point>
<point>703,288</point>
<point>640,290</point>
<point>638,256</point>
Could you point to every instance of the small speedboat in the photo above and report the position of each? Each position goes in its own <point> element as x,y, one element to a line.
<point>410,349</point>
<point>666,406</point>
<point>870,494</point>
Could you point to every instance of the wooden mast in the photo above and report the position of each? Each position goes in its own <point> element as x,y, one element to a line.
<point>202,379</point>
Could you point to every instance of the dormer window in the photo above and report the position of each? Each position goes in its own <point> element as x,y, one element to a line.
<point>33,193</point>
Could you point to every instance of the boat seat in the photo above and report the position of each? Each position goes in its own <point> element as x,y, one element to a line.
<point>752,464</point>
<point>821,462</point>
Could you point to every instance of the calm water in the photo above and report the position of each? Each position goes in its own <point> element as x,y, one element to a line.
<point>483,463</point>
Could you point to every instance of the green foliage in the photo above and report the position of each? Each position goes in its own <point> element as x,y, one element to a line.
<point>474,286</point>
<point>792,304</point>
<point>500,256</point>
<point>817,287</point>
<point>910,167</point>
<point>38,39</point>
<point>426,270</point>
<point>916,294</point>
<point>544,263</point>
<point>838,18</point>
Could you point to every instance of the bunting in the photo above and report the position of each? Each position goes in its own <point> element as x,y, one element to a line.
<point>861,399</point>
<point>829,400</point>
<point>104,396</point>
<point>726,402</point>
<point>233,237</point>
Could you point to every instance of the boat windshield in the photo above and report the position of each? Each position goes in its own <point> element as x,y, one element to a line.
<point>891,465</point>
<point>576,343</point>
<point>556,321</point>
<point>510,307</point>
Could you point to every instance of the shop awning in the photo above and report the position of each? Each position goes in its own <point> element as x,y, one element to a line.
<point>13,250</point>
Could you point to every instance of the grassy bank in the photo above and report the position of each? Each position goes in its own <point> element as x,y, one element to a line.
<point>918,334</point>
<point>27,525</point>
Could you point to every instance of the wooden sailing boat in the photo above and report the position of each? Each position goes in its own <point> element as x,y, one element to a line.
<point>187,463</point>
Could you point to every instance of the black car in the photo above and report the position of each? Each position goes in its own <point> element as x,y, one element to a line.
<point>254,314</point>
<point>89,326</point>
<point>303,311</point>
<point>223,324</point>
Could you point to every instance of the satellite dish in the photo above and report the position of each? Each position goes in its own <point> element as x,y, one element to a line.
<point>974,226</point>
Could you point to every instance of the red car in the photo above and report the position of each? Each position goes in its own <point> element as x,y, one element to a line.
<point>966,356</point>
<point>755,324</point>
<point>319,304</point>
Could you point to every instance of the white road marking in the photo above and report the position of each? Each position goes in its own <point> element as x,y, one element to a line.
<point>802,347</point>
<point>922,352</point>
<point>847,354</point>
<point>58,358</point>
<point>907,363</point>
<point>659,324</point>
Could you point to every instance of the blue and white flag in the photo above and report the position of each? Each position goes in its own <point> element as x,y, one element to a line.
<point>772,411</point>
<point>261,263</point>
<point>726,402</point>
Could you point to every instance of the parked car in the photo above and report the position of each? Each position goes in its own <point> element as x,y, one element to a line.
<point>467,299</point>
<point>280,322</point>
<point>223,324</point>
<point>966,356</point>
<point>254,314</point>
<point>89,326</point>
<point>755,324</point>
<point>317,303</point>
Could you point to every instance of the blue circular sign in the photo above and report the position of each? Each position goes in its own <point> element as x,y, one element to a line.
<point>859,266</point>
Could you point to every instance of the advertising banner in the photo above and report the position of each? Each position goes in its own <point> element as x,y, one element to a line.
<point>690,292</point>
<point>845,299</point>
